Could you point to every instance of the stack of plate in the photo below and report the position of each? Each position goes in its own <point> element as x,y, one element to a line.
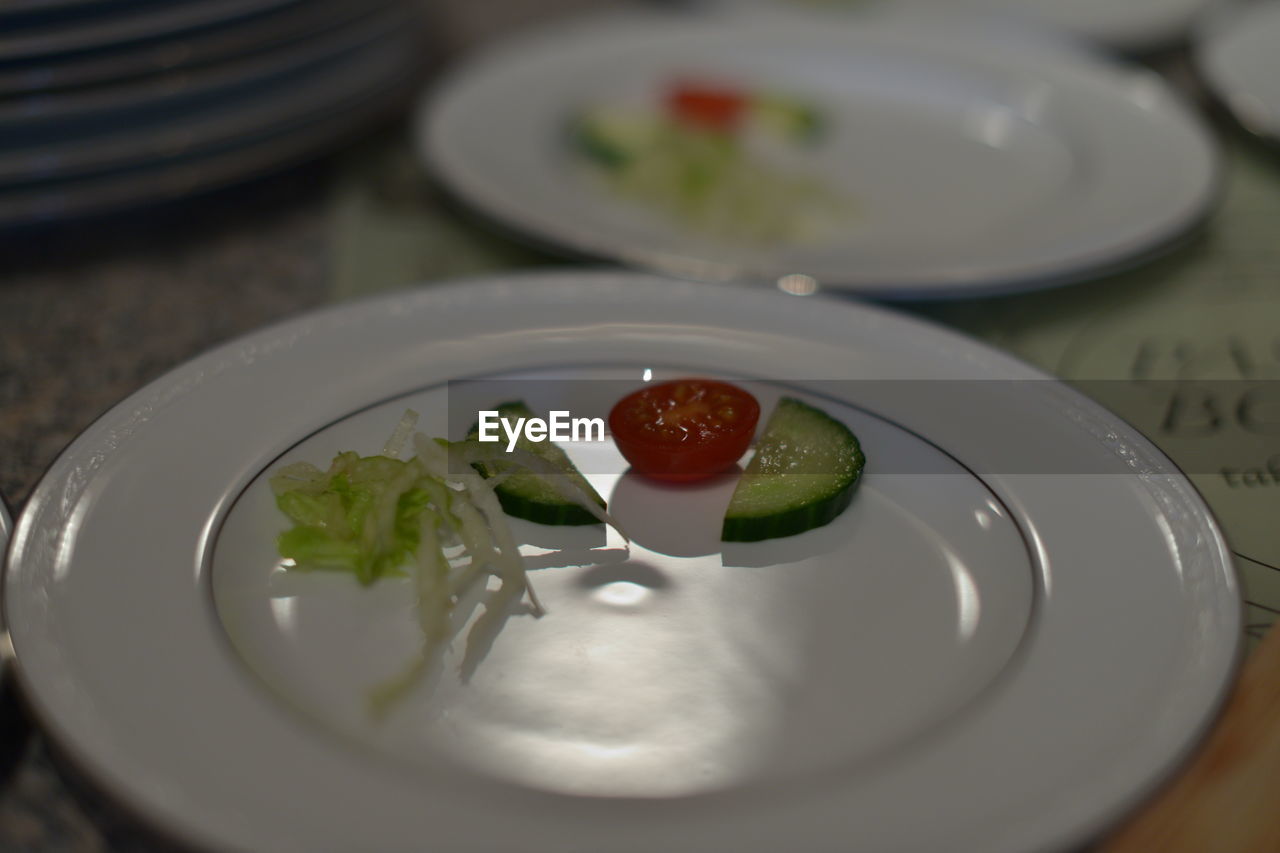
<point>110,104</point>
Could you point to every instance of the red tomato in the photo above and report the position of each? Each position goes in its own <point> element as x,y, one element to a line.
<point>708,107</point>
<point>684,430</point>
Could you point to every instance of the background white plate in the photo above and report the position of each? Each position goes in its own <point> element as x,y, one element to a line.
<point>975,163</point>
<point>1133,25</point>
<point>1237,55</point>
<point>1129,25</point>
<point>126,660</point>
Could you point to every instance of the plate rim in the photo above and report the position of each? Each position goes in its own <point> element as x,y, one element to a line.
<point>429,129</point>
<point>158,818</point>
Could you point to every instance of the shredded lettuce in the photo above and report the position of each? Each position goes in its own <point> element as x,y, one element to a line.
<point>361,515</point>
<point>735,188</point>
<point>431,517</point>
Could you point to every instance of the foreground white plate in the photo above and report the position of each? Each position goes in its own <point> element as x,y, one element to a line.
<point>974,163</point>
<point>1237,56</point>
<point>1020,625</point>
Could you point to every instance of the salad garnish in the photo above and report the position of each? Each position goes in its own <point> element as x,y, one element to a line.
<point>432,517</point>
<point>802,474</point>
<point>714,156</point>
<point>439,517</point>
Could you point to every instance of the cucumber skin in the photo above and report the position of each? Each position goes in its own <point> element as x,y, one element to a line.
<point>817,512</point>
<point>515,504</point>
<point>597,147</point>
<point>564,515</point>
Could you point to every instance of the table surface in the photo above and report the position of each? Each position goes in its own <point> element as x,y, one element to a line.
<point>90,313</point>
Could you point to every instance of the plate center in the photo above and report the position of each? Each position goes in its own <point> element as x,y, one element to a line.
<point>676,665</point>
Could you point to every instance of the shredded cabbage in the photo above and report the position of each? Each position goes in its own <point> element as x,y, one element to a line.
<point>719,183</point>
<point>431,516</point>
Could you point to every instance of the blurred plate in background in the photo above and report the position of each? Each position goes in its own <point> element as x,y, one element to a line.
<point>1129,25</point>
<point>1238,54</point>
<point>966,164</point>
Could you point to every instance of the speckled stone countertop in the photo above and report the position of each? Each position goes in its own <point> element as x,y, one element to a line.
<point>89,316</point>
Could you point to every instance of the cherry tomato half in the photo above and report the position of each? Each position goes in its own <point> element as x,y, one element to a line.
<point>708,107</point>
<point>684,430</point>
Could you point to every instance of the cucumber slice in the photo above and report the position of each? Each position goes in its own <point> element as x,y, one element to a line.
<point>790,119</point>
<point>802,476</point>
<point>614,138</point>
<point>529,496</point>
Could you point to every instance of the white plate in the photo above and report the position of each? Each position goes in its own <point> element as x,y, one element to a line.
<point>1237,57</point>
<point>1134,25</point>
<point>975,164</point>
<point>1015,652</point>
<point>1131,25</point>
